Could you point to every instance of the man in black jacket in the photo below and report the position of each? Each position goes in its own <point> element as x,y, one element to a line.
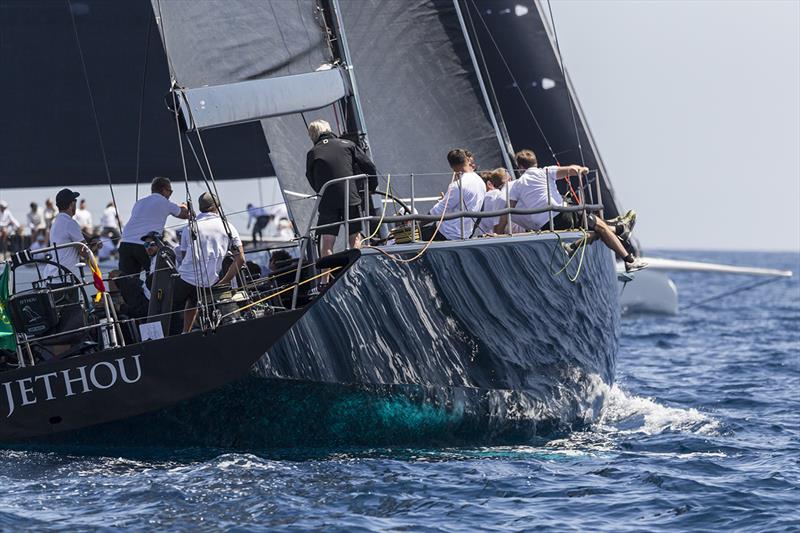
<point>331,158</point>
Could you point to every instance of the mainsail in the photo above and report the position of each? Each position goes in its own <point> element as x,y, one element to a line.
<point>522,61</point>
<point>51,135</point>
<point>419,89</point>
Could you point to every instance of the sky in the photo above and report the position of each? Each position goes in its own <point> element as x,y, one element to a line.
<point>695,108</point>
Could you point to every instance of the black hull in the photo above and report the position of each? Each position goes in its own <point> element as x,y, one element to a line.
<point>477,342</point>
<point>490,315</point>
<point>117,384</point>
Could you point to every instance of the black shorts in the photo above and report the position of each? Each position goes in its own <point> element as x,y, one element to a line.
<point>261,223</point>
<point>426,232</point>
<point>571,220</point>
<point>133,258</point>
<point>183,293</point>
<point>329,216</point>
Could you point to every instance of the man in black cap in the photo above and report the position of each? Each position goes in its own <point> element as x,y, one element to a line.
<point>64,231</point>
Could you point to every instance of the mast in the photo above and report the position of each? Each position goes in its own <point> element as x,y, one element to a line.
<point>355,125</point>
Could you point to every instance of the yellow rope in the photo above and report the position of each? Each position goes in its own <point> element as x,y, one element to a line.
<point>399,259</point>
<point>383,210</point>
<point>282,291</point>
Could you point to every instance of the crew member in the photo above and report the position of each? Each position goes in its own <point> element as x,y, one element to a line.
<point>203,258</point>
<point>149,214</point>
<point>9,227</point>
<point>332,158</point>
<point>261,217</point>
<point>109,222</point>
<point>498,186</point>
<point>36,223</point>
<point>531,192</point>
<point>474,190</point>
<point>65,230</point>
<point>84,218</point>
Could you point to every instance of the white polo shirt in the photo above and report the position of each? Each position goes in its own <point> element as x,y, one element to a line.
<point>202,267</point>
<point>148,214</point>
<point>494,201</point>
<point>530,192</point>
<point>474,191</point>
<point>64,230</point>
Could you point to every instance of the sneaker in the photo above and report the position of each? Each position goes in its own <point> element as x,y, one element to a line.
<point>568,249</point>
<point>627,221</point>
<point>636,265</point>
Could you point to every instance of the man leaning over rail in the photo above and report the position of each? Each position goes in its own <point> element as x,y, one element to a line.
<point>199,270</point>
<point>536,188</point>
<point>329,159</point>
<point>473,188</point>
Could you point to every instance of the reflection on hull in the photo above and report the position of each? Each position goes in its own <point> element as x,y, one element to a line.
<point>476,342</point>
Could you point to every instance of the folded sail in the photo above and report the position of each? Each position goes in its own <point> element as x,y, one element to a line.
<point>226,42</point>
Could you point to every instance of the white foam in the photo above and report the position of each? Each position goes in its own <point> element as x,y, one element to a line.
<point>634,414</point>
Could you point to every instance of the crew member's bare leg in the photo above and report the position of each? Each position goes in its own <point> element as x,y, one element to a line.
<point>609,238</point>
<point>189,314</point>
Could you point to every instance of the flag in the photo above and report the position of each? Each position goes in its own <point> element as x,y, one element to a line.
<point>97,279</point>
<point>8,340</point>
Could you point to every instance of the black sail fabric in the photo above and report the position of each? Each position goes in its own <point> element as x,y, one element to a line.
<point>49,136</point>
<point>419,90</point>
<point>525,73</point>
<point>216,42</point>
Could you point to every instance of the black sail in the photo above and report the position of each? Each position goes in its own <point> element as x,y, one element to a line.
<point>49,136</point>
<point>521,58</point>
<point>217,42</point>
<point>418,89</point>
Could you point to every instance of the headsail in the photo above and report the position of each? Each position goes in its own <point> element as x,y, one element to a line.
<point>49,136</point>
<point>523,64</point>
<point>419,89</point>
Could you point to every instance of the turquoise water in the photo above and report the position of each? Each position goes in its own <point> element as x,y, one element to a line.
<point>700,432</point>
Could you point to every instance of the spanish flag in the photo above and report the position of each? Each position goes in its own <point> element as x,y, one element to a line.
<point>97,279</point>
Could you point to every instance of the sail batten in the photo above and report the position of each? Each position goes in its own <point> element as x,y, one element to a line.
<point>247,101</point>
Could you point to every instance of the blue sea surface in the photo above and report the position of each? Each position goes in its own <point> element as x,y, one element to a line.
<point>701,432</point>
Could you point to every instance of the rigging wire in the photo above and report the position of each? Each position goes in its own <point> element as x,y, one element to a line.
<point>564,73</point>
<point>94,110</point>
<point>516,84</point>
<point>141,104</point>
<point>732,292</point>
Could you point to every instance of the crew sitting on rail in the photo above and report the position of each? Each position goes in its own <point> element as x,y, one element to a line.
<point>474,189</point>
<point>531,192</point>
<point>203,257</point>
<point>498,186</point>
<point>65,230</point>
<point>148,214</point>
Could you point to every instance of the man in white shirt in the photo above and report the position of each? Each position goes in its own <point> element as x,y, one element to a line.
<point>9,227</point>
<point>261,217</point>
<point>36,223</point>
<point>65,230</point>
<point>465,193</point>
<point>109,222</point>
<point>148,214</point>
<point>203,258</point>
<point>498,188</point>
<point>84,218</point>
<point>536,188</point>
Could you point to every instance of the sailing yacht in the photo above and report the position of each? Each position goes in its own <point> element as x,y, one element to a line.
<point>503,333</point>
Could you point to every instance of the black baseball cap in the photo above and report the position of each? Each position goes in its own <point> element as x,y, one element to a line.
<point>65,197</point>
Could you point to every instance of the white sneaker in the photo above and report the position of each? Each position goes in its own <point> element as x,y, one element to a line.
<point>636,265</point>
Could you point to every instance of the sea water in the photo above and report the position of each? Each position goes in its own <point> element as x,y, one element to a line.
<point>700,432</point>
